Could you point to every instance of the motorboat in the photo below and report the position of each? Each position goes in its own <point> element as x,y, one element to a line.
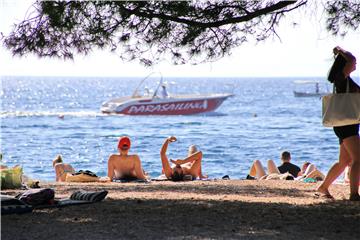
<point>163,103</point>
<point>309,94</point>
<point>316,93</point>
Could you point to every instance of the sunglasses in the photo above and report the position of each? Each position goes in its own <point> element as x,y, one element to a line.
<point>124,147</point>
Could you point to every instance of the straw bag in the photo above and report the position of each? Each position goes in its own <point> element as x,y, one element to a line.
<point>341,109</point>
<point>11,177</point>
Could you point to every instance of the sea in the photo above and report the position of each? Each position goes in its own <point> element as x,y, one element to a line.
<point>42,117</point>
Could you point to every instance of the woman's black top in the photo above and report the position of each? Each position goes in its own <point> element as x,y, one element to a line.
<point>341,83</point>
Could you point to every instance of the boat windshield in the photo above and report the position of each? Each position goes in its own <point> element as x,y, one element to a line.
<point>147,92</point>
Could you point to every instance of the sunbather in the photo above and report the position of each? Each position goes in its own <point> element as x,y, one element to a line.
<point>123,165</point>
<point>191,165</point>
<point>309,170</point>
<point>285,171</point>
<point>62,169</point>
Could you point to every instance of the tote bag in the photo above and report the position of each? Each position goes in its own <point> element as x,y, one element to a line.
<point>341,109</point>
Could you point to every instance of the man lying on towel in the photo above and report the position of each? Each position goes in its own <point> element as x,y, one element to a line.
<point>123,166</point>
<point>190,166</point>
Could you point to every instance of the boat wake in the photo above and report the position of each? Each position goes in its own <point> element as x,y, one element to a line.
<point>211,114</point>
<point>10,114</point>
<point>6,114</point>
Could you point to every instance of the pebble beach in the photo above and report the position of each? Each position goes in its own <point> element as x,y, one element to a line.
<point>216,209</point>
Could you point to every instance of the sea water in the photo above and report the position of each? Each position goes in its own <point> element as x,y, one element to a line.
<point>259,122</point>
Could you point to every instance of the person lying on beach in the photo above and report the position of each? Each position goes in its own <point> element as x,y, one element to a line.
<point>62,169</point>
<point>123,166</point>
<point>309,170</point>
<point>286,171</point>
<point>191,165</point>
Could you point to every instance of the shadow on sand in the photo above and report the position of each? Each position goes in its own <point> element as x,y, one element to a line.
<point>150,218</point>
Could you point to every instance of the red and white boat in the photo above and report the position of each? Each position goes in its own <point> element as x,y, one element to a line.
<point>169,105</point>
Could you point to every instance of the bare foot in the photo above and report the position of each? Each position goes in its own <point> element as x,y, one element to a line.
<point>354,197</point>
<point>323,193</point>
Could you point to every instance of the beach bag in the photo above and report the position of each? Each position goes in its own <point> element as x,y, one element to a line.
<point>341,109</point>
<point>38,196</point>
<point>11,177</point>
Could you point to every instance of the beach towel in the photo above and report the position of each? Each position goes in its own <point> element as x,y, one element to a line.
<point>10,205</point>
<point>82,176</point>
<point>86,172</point>
<point>162,177</point>
<point>282,176</point>
<point>131,180</point>
<point>77,198</point>
<point>89,196</point>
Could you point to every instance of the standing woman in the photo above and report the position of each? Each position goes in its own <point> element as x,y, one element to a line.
<point>349,140</point>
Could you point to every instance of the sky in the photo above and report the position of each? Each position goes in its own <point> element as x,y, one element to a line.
<point>302,51</point>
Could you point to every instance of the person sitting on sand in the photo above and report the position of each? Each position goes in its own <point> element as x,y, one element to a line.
<point>282,172</point>
<point>123,165</point>
<point>309,170</point>
<point>191,165</point>
<point>62,169</point>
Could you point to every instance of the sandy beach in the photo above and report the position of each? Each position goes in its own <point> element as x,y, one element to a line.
<point>219,209</point>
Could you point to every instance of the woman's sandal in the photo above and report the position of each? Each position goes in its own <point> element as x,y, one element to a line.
<point>324,196</point>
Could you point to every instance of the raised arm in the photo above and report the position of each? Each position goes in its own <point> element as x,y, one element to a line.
<point>195,169</point>
<point>350,60</point>
<point>192,158</point>
<point>164,159</point>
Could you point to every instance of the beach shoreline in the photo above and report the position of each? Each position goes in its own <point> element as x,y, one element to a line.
<point>217,209</point>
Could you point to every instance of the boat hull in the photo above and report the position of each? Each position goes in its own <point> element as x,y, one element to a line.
<point>307,94</point>
<point>168,106</point>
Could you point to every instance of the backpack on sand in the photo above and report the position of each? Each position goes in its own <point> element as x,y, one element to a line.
<point>38,196</point>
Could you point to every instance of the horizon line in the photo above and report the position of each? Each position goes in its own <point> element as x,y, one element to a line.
<point>124,76</point>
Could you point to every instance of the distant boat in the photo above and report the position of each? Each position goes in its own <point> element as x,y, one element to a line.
<point>315,93</point>
<point>165,104</point>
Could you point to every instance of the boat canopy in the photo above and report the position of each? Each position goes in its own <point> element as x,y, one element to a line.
<point>136,92</point>
<point>306,82</point>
